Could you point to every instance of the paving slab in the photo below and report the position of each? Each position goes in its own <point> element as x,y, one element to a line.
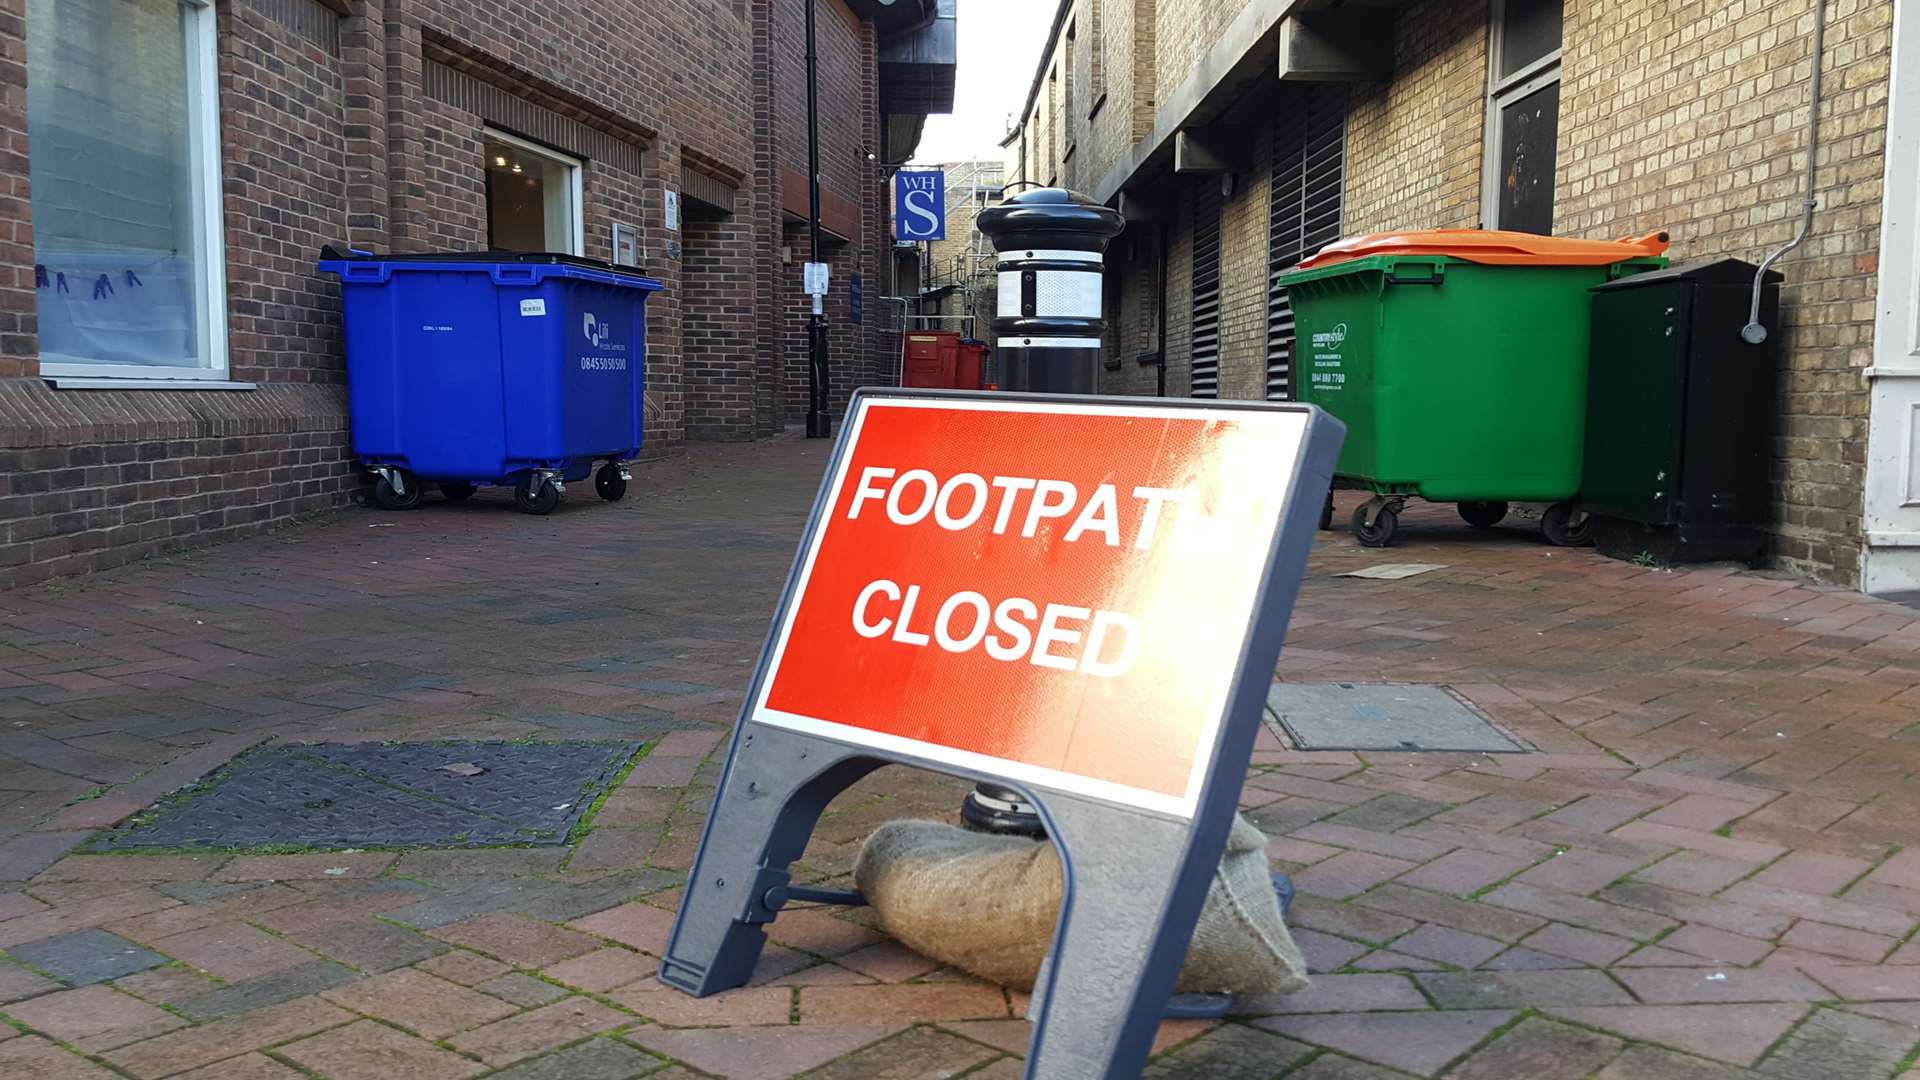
<point>1382,716</point>
<point>84,957</point>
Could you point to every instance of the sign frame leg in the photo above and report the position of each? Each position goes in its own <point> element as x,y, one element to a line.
<point>776,785</point>
<point>1110,1002</point>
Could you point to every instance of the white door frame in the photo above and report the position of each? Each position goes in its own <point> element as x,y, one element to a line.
<point>1890,561</point>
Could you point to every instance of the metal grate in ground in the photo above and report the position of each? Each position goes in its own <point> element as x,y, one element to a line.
<point>1382,716</point>
<point>418,794</point>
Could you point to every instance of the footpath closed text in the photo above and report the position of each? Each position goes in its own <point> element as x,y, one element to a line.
<point>1047,634</point>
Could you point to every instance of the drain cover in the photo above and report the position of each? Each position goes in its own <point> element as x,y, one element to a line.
<point>1382,716</point>
<point>384,795</point>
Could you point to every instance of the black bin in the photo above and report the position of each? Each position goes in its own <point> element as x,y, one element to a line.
<point>1680,415</point>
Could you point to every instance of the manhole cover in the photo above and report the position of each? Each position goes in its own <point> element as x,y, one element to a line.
<point>384,795</point>
<point>1382,716</point>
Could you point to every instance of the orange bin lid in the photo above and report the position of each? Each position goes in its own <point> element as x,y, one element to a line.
<point>1492,247</point>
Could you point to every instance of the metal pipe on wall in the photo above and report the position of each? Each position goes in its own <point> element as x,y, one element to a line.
<point>1754,333</point>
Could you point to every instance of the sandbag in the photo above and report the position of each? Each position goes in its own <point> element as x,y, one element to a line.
<point>988,905</point>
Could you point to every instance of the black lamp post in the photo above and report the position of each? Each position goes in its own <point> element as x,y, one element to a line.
<point>819,424</point>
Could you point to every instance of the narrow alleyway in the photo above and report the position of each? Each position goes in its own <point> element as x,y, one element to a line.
<point>1708,865</point>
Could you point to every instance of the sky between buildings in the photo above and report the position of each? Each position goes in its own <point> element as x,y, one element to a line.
<point>1000,42</point>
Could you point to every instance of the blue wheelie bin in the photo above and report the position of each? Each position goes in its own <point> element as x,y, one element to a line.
<point>493,368</point>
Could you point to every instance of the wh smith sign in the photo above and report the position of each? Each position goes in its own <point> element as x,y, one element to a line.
<point>920,205</point>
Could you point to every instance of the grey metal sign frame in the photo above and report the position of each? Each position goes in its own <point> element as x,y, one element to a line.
<point>1130,906</point>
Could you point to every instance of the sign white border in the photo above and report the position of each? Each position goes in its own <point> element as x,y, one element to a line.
<point>1181,806</point>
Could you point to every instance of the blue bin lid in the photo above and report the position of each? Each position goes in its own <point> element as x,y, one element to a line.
<point>366,267</point>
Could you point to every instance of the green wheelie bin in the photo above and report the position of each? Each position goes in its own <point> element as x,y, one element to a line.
<point>1457,358</point>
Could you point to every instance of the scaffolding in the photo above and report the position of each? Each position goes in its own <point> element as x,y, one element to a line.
<point>968,274</point>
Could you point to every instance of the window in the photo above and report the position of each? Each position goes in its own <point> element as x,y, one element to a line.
<point>533,197</point>
<point>1068,118</point>
<point>1096,59</point>
<point>123,121</point>
<point>1523,114</point>
<point>1053,116</point>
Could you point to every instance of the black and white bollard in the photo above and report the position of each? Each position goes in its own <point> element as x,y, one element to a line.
<point>1052,247</point>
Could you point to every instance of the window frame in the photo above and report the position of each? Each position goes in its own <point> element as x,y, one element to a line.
<point>1070,42</point>
<point>1502,92</point>
<point>576,181</point>
<point>202,54</point>
<point>1096,59</point>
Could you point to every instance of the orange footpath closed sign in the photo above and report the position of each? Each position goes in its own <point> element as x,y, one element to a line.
<point>1053,594</point>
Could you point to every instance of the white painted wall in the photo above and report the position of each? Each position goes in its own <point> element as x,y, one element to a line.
<point>1892,554</point>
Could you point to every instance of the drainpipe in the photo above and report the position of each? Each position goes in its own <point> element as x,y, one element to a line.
<point>1160,376</point>
<point>1753,333</point>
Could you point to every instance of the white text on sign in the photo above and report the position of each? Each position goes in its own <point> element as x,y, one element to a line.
<point>962,501</point>
<point>1064,637</point>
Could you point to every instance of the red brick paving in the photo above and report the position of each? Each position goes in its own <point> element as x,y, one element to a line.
<point>1699,870</point>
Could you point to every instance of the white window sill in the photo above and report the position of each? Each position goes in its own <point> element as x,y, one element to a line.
<point>76,382</point>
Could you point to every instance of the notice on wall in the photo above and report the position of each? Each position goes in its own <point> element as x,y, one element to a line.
<point>626,245</point>
<point>982,590</point>
<point>815,277</point>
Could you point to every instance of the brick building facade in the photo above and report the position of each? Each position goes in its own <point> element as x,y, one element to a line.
<point>1239,135</point>
<point>171,364</point>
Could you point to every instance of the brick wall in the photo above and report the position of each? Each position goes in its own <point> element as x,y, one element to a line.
<point>105,479</point>
<point>19,340</point>
<point>1179,293</point>
<point>283,122</point>
<point>1414,143</point>
<point>1243,275</point>
<point>1183,32</point>
<point>848,88</point>
<point>351,121</point>
<point>1691,117</point>
<point>716,330</point>
<point>1132,309</point>
<point>1686,116</point>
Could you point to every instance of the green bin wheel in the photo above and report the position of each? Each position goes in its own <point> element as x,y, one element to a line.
<point>1483,515</point>
<point>1326,514</point>
<point>388,499</point>
<point>1558,527</point>
<point>609,484</point>
<point>457,490</point>
<point>528,500</point>
<point>1386,524</point>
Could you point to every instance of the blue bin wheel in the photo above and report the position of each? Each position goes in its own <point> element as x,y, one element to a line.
<point>457,490</point>
<point>388,499</point>
<point>530,500</point>
<point>609,484</point>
